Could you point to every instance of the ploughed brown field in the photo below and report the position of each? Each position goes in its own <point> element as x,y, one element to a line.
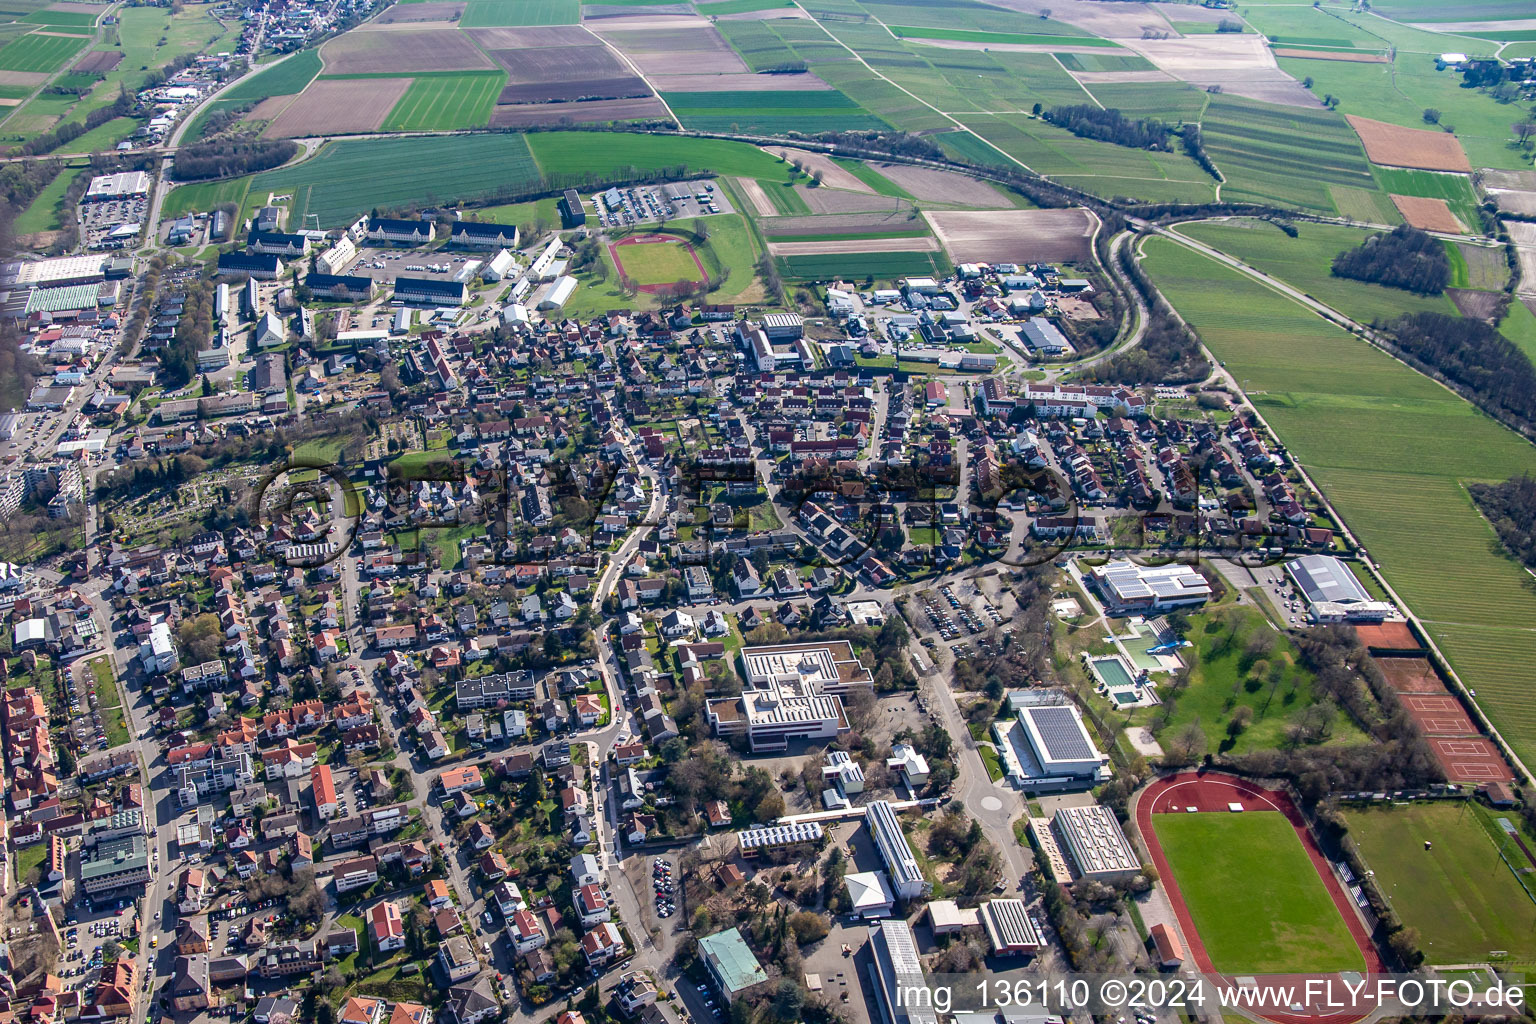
<point>99,61</point>
<point>402,51</point>
<point>335,106</point>
<point>1014,236</point>
<point>529,115</point>
<point>1427,214</point>
<point>1396,146</point>
<point>930,184</point>
<point>831,246</point>
<point>1354,58</point>
<point>695,50</point>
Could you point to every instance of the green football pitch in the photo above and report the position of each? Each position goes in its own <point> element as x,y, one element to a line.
<point>1257,901</point>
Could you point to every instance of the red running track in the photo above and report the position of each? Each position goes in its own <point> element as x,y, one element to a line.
<point>1212,792</point>
<point>613,251</point>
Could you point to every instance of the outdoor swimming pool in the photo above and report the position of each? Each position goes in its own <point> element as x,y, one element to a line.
<point>1112,672</point>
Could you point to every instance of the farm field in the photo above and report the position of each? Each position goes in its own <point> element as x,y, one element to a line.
<point>1393,451</point>
<point>286,78</point>
<point>882,266</point>
<point>38,52</point>
<point>493,13</point>
<point>1460,896</point>
<point>350,177</point>
<point>445,103</point>
<point>1254,895</point>
<point>1398,93</point>
<point>337,106</point>
<point>770,112</point>
<point>1364,205</point>
<point>1015,236</point>
<point>997,38</point>
<point>604,155</point>
<point>1304,263</point>
<point>1391,145</point>
<point>1455,189</point>
<point>1285,155</point>
<point>402,51</point>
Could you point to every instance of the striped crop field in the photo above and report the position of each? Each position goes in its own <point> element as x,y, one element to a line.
<point>1394,452</point>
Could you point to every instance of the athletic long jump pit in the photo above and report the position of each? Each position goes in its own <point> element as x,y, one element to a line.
<point>1252,893</point>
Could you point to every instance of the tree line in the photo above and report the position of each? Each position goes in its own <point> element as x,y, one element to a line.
<point>1511,508</point>
<point>71,130</point>
<point>229,159</point>
<point>1109,125</point>
<point>1406,258</point>
<point>1474,355</point>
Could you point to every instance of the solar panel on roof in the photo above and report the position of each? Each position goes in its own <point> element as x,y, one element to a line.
<point>1061,733</point>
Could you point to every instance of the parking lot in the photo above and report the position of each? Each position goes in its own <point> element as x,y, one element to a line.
<point>626,207</point>
<point>98,220</point>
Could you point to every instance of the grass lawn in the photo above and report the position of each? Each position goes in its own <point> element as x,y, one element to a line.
<point>658,262</point>
<point>1306,260</point>
<point>1255,897</point>
<point>1460,896</point>
<point>43,213</point>
<point>109,701</point>
<point>30,858</point>
<point>1393,450</point>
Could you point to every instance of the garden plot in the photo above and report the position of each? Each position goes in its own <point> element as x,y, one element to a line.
<point>402,51</point>
<point>1014,236</point>
<point>338,106</point>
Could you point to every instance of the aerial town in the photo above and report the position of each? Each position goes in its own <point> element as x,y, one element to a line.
<point>731,513</point>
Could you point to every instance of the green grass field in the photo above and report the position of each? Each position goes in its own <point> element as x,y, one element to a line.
<point>62,19</point>
<point>995,38</point>
<point>1519,326</point>
<point>658,262</point>
<point>1276,689</point>
<point>1460,896</point>
<point>109,702</point>
<point>1255,897</point>
<point>497,13</point>
<point>1364,205</point>
<point>1304,262</point>
<point>883,266</point>
<point>35,52</point>
<point>1393,451</point>
<point>43,213</point>
<point>287,78</point>
<point>772,112</point>
<point>446,102</point>
<point>200,197</point>
<point>607,154</point>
